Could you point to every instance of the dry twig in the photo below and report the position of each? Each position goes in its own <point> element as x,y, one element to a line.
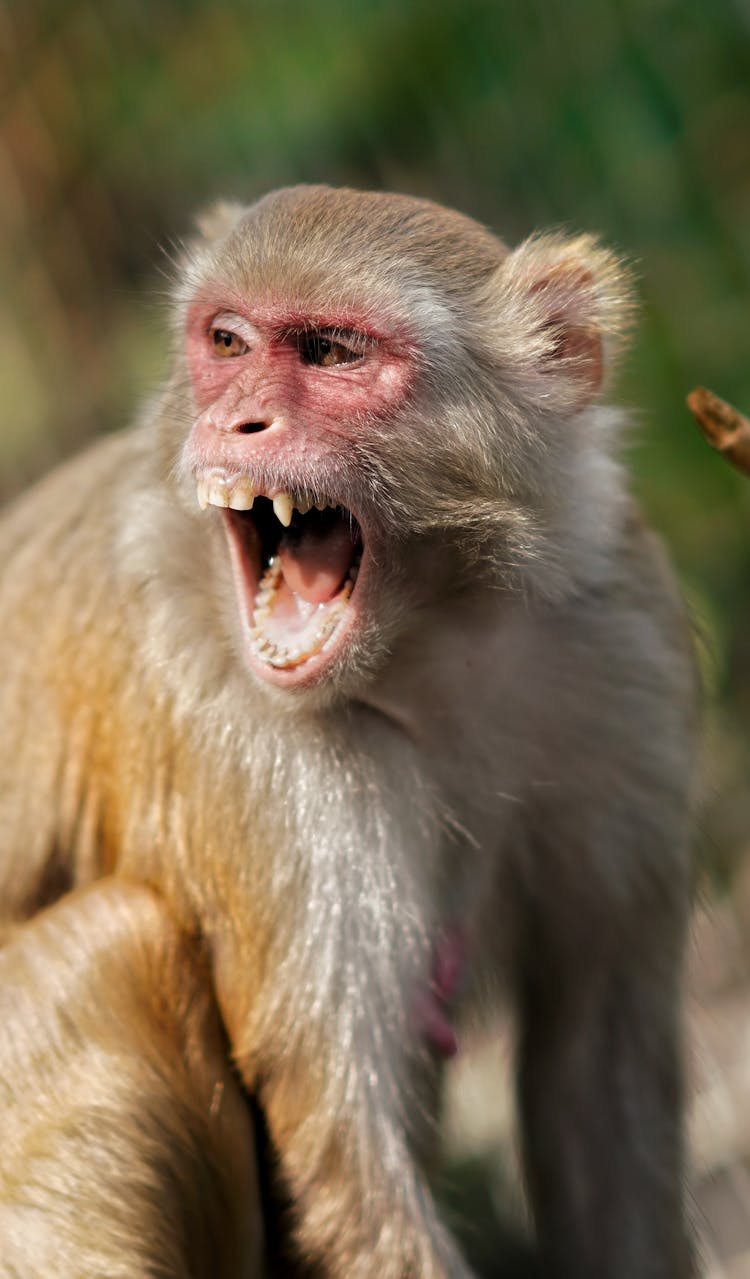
<point>723,426</point>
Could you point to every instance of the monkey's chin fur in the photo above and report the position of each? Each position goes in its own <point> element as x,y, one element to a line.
<point>295,588</point>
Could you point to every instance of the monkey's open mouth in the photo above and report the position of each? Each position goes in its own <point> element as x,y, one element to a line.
<point>295,566</point>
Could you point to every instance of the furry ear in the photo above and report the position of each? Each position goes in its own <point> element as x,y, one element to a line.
<point>219,219</point>
<point>561,308</point>
<point>213,224</point>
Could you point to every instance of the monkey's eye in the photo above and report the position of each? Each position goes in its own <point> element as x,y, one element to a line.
<point>329,349</point>
<point>226,343</point>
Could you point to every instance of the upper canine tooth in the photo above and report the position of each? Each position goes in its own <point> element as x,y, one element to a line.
<point>217,491</point>
<point>242,496</point>
<point>283,506</point>
<point>201,489</point>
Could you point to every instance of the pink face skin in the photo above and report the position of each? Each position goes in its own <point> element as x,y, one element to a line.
<point>280,396</point>
<point>304,411</point>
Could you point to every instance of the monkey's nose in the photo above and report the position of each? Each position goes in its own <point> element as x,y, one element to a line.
<point>250,428</point>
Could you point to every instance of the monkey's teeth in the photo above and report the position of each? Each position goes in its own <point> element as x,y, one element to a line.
<point>307,645</point>
<point>283,506</point>
<point>218,491</point>
<point>242,495</point>
<point>222,490</point>
<point>239,495</point>
<point>269,583</point>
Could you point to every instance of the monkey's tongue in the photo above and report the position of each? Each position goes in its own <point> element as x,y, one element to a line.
<point>316,563</point>
<point>304,593</point>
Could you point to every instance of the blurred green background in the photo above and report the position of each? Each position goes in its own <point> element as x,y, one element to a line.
<point>629,117</point>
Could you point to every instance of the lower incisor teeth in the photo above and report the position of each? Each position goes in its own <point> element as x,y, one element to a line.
<point>279,655</point>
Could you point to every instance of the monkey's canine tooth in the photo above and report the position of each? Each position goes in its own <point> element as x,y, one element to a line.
<point>283,506</point>
<point>201,490</point>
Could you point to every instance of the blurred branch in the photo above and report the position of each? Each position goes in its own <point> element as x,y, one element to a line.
<point>724,427</point>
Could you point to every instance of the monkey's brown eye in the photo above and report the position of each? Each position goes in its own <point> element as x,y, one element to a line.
<point>325,350</point>
<point>227,343</point>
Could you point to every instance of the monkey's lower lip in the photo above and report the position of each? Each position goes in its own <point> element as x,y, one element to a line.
<point>294,584</point>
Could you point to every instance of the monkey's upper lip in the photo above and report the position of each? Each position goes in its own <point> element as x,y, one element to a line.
<point>295,561</point>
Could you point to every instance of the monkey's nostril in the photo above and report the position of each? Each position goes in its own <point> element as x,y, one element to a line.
<point>250,428</point>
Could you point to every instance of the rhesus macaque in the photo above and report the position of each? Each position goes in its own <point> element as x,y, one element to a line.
<point>353,647</point>
<point>127,1147</point>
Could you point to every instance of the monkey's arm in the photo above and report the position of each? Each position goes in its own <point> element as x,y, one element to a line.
<point>327,1033</point>
<point>606,891</point>
<point>601,1090</point>
<point>127,1147</point>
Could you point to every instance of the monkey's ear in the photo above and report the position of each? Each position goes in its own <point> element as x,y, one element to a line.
<point>219,219</point>
<point>568,302</point>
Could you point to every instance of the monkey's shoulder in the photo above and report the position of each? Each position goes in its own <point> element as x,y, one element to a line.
<point>79,494</point>
<point>61,580</point>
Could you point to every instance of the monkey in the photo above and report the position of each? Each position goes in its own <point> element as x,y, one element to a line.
<point>356,650</point>
<point>127,1145</point>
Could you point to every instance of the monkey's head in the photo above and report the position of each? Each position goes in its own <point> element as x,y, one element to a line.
<point>384,402</point>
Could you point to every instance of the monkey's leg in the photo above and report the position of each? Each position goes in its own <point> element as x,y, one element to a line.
<point>601,1099</point>
<point>127,1147</point>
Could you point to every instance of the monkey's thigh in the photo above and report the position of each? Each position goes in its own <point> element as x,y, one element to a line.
<point>127,1148</point>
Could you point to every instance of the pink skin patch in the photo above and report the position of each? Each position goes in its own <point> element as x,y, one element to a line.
<point>431,1005</point>
<point>305,405</point>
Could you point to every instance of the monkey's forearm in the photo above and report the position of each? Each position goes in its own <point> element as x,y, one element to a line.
<point>363,1206</point>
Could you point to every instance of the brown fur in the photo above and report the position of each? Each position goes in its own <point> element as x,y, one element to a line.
<point>127,1148</point>
<point>506,745</point>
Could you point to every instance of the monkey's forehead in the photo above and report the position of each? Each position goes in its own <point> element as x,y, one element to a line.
<point>347,246</point>
<point>367,221</point>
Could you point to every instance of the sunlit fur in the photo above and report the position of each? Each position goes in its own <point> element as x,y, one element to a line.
<point>505,746</point>
<point>126,1147</point>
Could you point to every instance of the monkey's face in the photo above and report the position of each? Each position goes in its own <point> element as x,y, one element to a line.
<point>283,398</point>
<point>370,379</point>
